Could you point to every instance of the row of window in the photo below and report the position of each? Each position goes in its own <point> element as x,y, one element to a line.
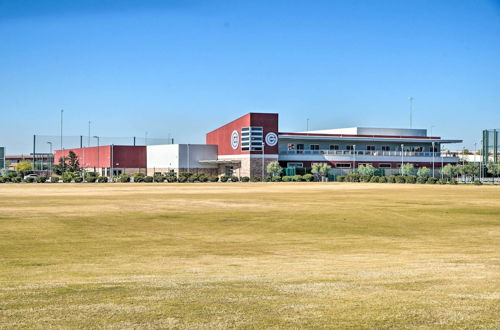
<point>300,146</point>
<point>344,165</point>
<point>252,138</point>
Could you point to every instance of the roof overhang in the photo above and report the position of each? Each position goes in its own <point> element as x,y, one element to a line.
<point>219,161</point>
<point>398,139</point>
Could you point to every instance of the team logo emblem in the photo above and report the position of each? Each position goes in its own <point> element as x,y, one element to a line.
<point>271,139</point>
<point>235,140</point>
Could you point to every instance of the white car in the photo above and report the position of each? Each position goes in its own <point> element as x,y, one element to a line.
<point>34,176</point>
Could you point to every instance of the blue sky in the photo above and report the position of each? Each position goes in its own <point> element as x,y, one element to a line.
<point>186,67</point>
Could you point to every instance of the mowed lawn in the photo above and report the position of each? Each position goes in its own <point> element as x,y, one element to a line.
<point>249,255</point>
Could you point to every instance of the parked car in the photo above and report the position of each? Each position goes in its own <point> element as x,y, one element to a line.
<point>30,176</point>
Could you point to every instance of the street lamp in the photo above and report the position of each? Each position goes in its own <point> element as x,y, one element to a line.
<point>411,109</point>
<point>433,151</point>
<point>402,159</point>
<point>98,145</point>
<point>51,157</point>
<point>442,162</point>
<point>263,145</point>
<point>354,158</point>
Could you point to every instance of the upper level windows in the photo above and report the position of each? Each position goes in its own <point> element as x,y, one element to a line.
<point>349,147</point>
<point>334,147</point>
<point>314,146</point>
<point>252,138</point>
<point>371,148</point>
<point>386,148</point>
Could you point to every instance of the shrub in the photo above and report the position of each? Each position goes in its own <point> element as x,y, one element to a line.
<point>431,180</point>
<point>382,179</point>
<point>268,179</point>
<point>67,177</point>
<point>224,178</point>
<point>368,170</point>
<point>171,177</point>
<point>374,179</point>
<point>29,179</point>
<point>15,179</point>
<point>308,177</point>
<point>477,182</point>
<point>256,179</point>
<point>423,172</point>
<point>276,179</point>
<point>399,179</point>
<point>91,177</point>
<point>158,177</point>
<point>148,178</point>
<point>138,177</point>
<point>297,178</point>
<point>41,179</point>
<point>391,179</point>
<point>410,179</point>
<point>441,181</point>
<point>365,178</point>
<point>54,179</point>
<point>353,177</point>
<point>453,181</point>
<point>287,178</point>
<point>245,179</point>
<point>102,179</point>
<point>341,178</point>
<point>234,178</point>
<point>2,179</point>
<point>124,178</point>
<point>421,179</point>
<point>78,179</point>
<point>214,178</point>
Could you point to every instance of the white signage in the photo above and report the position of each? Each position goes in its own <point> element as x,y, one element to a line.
<point>271,139</point>
<point>235,140</point>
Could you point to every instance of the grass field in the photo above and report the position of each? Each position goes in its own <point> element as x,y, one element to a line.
<point>249,256</point>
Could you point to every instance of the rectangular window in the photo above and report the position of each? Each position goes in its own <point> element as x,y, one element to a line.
<point>251,138</point>
<point>349,147</point>
<point>384,165</point>
<point>371,148</point>
<point>300,148</point>
<point>228,171</point>
<point>291,146</point>
<point>334,147</point>
<point>314,146</point>
<point>290,164</point>
<point>343,165</point>
<point>386,148</point>
<point>419,149</point>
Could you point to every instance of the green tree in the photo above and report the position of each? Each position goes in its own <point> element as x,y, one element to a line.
<point>23,167</point>
<point>423,172</point>
<point>449,170</point>
<point>472,170</point>
<point>274,168</point>
<point>73,162</point>
<point>407,169</point>
<point>366,170</point>
<point>61,166</point>
<point>320,169</point>
<point>493,169</point>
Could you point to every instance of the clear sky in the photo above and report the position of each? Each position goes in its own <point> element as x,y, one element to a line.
<point>186,67</point>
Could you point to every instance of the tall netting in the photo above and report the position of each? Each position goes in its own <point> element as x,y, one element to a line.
<point>44,146</point>
<point>490,145</point>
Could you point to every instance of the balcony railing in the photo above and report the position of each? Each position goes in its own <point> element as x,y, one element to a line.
<point>367,153</point>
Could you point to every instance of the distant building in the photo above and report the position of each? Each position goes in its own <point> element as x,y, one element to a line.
<point>43,161</point>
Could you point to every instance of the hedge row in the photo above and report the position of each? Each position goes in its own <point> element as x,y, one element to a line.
<point>354,177</point>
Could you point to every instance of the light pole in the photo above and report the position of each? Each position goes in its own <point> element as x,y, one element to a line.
<point>188,157</point>
<point>51,157</point>
<point>146,139</point>
<point>402,159</point>
<point>442,162</point>
<point>62,112</point>
<point>433,151</point>
<point>354,159</point>
<point>431,129</point>
<point>88,142</point>
<point>307,124</point>
<point>411,109</point>
<point>98,152</point>
<point>263,174</point>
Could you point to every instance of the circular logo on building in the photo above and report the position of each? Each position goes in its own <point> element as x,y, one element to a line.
<point>271,139</point>
<point>235,140</point>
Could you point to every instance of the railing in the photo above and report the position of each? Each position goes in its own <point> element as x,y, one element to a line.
<point>367,153</point>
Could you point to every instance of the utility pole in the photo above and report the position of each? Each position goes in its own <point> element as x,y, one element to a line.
<point>98,162</point>
<point>411,109</point>
<point>88,142</point>
<point>402,159</point>
<point>51,157</point>
<point>433,152</point>
<point>354,159</point>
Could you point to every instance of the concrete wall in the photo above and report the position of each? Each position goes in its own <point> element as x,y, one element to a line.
<point>174,157</point>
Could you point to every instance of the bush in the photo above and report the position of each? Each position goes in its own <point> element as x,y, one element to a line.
<point>213,178</point>
<point>431,180</point>
<point>365,178</point>
<point>256,179</point>
<point>41,179</point>
<point>382,179</point>
<point>245,179</point>
<point>16,179</point>
<point>67,177</point>
<point>171,177</point>
<point>224,178</point>
<point>297,178</point>
<point>374,179</point>
<point>477,182</point>
<point>124,178</point>
<point>399,179</point>
<point>29,179</point>
<point>421,179</point>
<point>453,181</point>
<point>2,179</point>
<point>102,179</point>
<point>308,177</point>
<point>410,179</point>
<point>268,179</point>
<point>353,177</point>
<point>78,179</point>
<point>138,177</point>
<point>148,179</point>
<point>286,178</point>
<point>158,177</point>
<point>276,179</point>
<point>234,178</point>
<point>54,179</point>
<point>341,178</point>
<point>91,177</point>
<point>441,181</point>
<point>391,179</point>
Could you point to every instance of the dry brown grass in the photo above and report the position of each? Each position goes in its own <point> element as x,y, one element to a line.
<point>249,256</point>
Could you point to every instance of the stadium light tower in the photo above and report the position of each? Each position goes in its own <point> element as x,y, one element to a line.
<point>62,112</point>
<point>51,158</point>
<point>411,109</point>
<point>98,162</point>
